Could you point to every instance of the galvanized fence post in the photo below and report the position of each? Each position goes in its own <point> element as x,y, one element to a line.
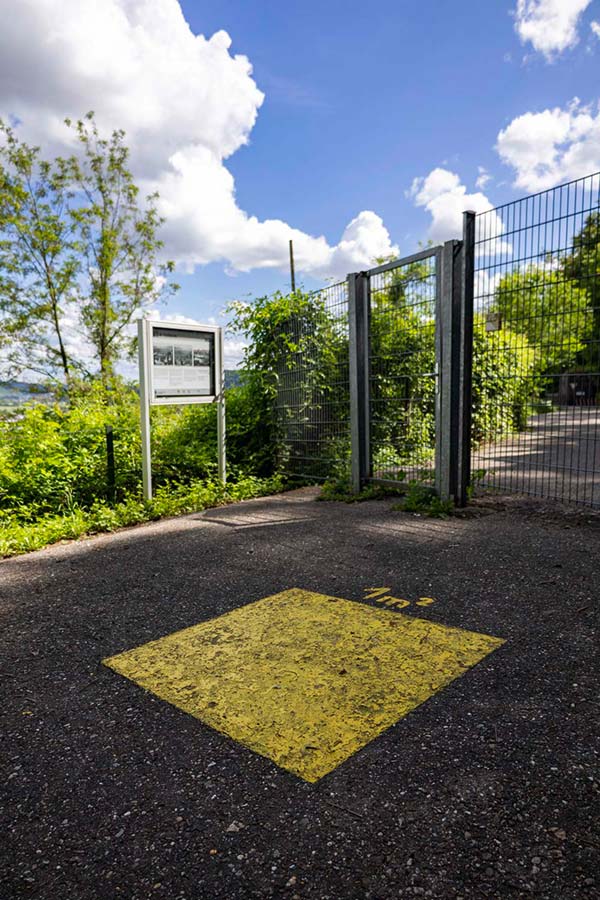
<point>455,356</point>
<point>465,385</point>
<point>448,345</point>
<point>358,321</point>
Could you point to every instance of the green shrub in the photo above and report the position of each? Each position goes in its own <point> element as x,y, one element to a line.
<point>53,459</point>
<point>295,369</point>
<point>402,349</point>
<point>504,380</point>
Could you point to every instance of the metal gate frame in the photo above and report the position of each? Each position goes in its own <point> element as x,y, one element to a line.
<point>454,265</point>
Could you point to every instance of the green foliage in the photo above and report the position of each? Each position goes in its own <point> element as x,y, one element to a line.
<point>504,379</point>
<point>341,490</point>
<point>550,311</point>
<point>403,343</point>
<point>422,499</point>
<point>296,367</point>
<point>296,350</point>
<point>53,459</point>
<point>403,363</point>
<point>582,267</point>
<point>18,537</point>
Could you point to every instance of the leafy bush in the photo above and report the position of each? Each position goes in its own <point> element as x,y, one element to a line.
<point>550,310</point>
<point>504,380</point>
<point>402,349</point>
<point>295,369</point>
<point>53,459</point>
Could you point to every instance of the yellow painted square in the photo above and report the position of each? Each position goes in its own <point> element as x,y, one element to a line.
<point>301,678</point>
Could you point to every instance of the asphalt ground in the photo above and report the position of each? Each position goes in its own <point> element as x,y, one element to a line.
<point>556,456</point>
<point>488,789</point>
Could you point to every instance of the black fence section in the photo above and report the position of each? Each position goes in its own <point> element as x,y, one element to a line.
<point>402,370</point>
<point>536,366</point>
<point>313,403</point>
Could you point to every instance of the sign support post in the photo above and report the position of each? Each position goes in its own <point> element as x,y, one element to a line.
<point>221,433</point>
<point>179,364</point>
<point>144,411</point>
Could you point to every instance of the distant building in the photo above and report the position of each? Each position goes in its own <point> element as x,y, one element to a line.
<point>578,389</point>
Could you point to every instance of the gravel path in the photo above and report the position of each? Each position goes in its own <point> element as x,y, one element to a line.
<point>490,789</point>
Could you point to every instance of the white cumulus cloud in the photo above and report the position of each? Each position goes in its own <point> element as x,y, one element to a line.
<point>186,102</point>
<point>443,195</point>
<point>483,178</point>
<point>552,146</point>
<point>550,26</point>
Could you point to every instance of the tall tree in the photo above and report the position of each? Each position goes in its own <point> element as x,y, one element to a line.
<point>117,239</point>
<point>582,266</point>
<point>551,310</point>
<point>39,262</point>
<point>77,244</point>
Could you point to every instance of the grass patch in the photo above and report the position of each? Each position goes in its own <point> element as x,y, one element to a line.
<point>22,537</point>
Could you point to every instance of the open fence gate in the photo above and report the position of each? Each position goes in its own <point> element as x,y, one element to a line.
<point>473,361</point>
<point>410,361</point>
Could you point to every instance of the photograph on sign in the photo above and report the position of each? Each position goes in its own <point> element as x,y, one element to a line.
<point>183,363</point>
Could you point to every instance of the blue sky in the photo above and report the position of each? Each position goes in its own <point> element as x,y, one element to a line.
<point>362,99</point>
<point>359,130</point>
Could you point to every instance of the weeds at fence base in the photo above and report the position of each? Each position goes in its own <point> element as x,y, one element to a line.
<point>422,499</point>
<point>22,537</point>
<point>341,490</point>
<point>416,496</point>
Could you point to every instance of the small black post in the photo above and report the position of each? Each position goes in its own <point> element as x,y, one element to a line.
<point>292,272</point>
<point>110,464</point>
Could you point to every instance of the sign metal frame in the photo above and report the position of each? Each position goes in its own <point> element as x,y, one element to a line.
<point>148,398</point>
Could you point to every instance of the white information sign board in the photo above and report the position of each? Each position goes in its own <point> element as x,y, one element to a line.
<point>179,364</point>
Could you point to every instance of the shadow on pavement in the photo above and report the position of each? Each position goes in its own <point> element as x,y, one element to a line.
<point>488,789</point>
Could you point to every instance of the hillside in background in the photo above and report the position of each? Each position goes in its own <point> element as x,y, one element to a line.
<point>16,393</point>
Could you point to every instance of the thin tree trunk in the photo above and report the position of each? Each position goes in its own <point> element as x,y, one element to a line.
<point>61,346</point>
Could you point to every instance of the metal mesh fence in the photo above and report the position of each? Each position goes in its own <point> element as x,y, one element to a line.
<point>536,365</point>
<point>402,376</point>
<point>313,401</point>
